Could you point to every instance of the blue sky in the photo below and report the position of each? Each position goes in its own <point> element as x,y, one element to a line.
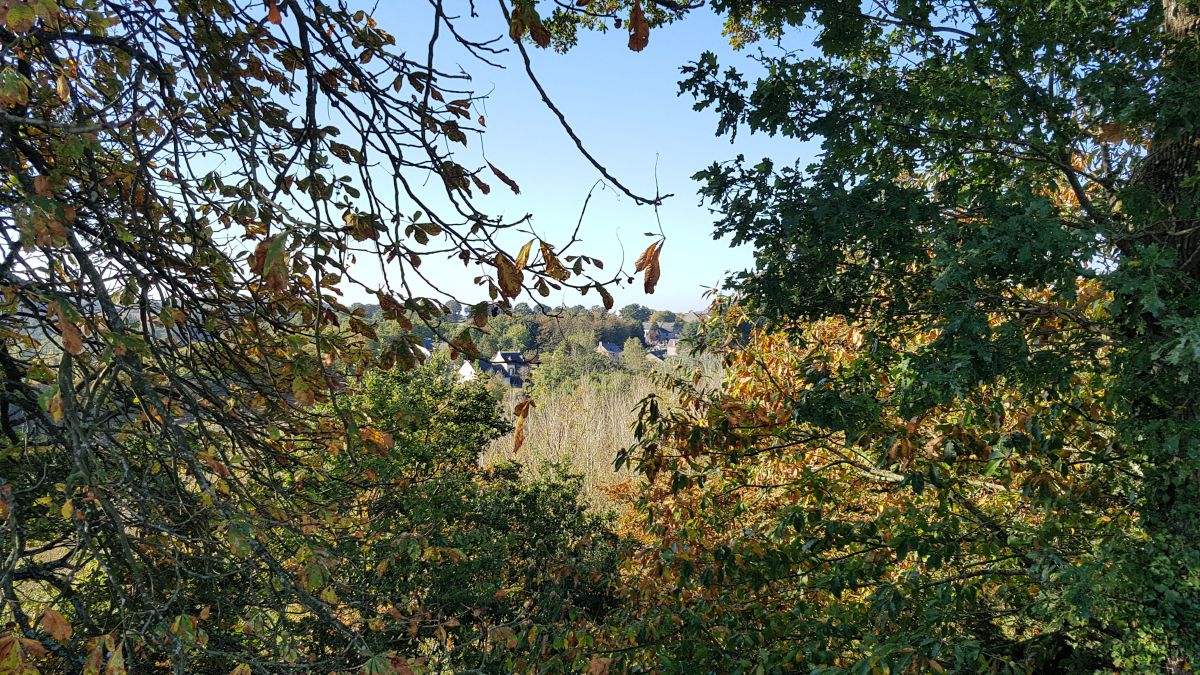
<point>624,105</point>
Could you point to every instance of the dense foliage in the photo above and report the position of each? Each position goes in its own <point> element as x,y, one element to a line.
<point>959,427</point>
<point>187,188</point>
<point>978,446</point>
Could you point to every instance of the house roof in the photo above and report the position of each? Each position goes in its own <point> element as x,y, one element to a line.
<point>609,347</point>
<point>513,358</point>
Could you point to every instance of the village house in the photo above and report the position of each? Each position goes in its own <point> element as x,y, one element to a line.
<point>609,349</point>
<point>659,333</point>
<point>511,367</point>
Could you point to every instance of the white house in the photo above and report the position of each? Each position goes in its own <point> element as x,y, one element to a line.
<point>510,367</point>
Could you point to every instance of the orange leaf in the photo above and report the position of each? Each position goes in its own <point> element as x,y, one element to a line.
<point>273,14</point>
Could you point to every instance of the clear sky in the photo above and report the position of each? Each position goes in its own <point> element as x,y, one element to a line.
<point>625,107</point>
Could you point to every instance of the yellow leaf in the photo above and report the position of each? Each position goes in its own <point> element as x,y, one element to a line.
<point>523,256</point>
<point>242,669</point>
<point>64,92</point>
<point>55,407</point>
<point>67,510</point>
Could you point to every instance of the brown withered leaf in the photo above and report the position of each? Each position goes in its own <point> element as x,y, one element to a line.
<point>71,336</point>
<point>55,624</point>
<point>639,28</point>
<point>273,14</point>
<point>644,258</point>
<point>522,412</point>
<point>539,34</point>
<point>270,262</point>
<point>509,276</point>
<point>516,26</point>
<point>554,267</point>
<point>653,270</point>
<point>1112,133</point>
<point>512,184</point>
<point>605,296</point>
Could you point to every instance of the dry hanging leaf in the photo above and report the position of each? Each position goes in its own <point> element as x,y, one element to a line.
<point>512,184</point>
<point>640,264</point>
<point>523,256</point>
<point>605,296</point>
<point>273,14</point>
<point>653,271</point>
<point>1112,133</point>
<point>509,276</point>
<point>639,28</point>
<point>539,34</point>
<point>522,412</point>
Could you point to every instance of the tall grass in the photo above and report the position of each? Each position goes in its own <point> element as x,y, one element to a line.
<point>583,427</point>
<point>586,424</point>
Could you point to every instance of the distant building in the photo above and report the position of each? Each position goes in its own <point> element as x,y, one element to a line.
<point>655,356</point>
<point>692,317</point>
<point>609,349</point>
<point>510,367</point>
<point>659,333</point>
